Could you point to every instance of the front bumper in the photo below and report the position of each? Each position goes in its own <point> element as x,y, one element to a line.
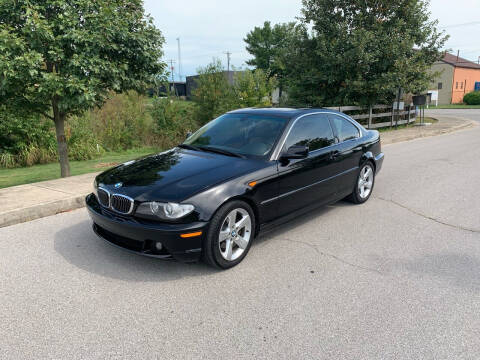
<point>379,162</point>
<point>141,238</point>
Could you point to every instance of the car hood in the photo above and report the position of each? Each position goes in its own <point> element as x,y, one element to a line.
<point>173,175</point>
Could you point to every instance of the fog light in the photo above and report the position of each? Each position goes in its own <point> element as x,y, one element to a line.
<point>158,246</point>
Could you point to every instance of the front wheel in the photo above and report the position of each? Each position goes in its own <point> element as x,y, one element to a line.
<point>230,235</point>
<point>364,185</point>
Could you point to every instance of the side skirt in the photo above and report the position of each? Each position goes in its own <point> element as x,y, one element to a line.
<point>266,227</point>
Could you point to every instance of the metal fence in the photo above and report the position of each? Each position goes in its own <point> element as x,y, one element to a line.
<point>378,116</point>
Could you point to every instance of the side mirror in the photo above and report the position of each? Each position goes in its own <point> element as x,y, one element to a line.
<point>189,133</point>
<point>296,152</point>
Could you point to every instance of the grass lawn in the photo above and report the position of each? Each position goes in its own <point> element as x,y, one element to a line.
<point>454,106</point>
<point>26,175</point>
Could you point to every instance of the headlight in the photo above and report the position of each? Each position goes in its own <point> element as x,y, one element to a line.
<point>166,211</point>
<point>95,187</point>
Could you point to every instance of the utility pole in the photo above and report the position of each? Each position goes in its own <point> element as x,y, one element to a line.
<point>179,61</point>
<point>228,59</point>
<point>172,68</point>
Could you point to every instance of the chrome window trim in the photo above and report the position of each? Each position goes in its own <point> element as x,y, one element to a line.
<point>276,153</point>
<point>109,197</point>
<point>132,203</point>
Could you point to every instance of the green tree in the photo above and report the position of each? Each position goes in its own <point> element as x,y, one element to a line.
<point>213,94</point>
<point>60,58</point>
<point>253,88</point>
<point>268,46</point>
<point>361,51</point>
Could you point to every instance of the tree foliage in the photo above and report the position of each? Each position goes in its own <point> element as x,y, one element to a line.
<point>357,51</point>
<point>216,94</point>
<point>268,45</point>
<point>212,94</point>
<point>60,57</point>
<point>253,88</point>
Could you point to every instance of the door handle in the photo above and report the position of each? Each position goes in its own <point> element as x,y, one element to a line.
<point>334,155</point>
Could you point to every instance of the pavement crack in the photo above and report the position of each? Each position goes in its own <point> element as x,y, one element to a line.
<point>458,227</point>
<point>334,257</point>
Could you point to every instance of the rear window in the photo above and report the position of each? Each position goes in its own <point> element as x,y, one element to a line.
<point>344,129</point>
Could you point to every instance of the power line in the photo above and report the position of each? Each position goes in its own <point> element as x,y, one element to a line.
<point>460,25</point>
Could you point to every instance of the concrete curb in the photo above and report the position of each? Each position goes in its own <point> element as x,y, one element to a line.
<point>41,210</point>
<point>467,124</point>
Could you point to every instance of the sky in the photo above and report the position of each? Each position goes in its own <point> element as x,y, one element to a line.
<point>209,28</point>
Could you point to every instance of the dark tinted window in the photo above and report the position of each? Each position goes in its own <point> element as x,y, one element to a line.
<point>344,129</point>
<point>247,134</point>
<point>313,131</point>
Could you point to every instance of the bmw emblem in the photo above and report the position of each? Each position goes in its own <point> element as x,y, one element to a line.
<point>118,185</point>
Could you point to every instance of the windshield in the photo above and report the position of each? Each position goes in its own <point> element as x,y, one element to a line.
<point>246,134</point>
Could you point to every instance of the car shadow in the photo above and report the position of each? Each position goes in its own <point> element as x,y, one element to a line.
<point>81,247</point>
<point>299,221</point>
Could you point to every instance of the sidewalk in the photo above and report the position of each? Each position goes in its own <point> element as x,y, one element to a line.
<point>32,201</point>
<point>28,202</point>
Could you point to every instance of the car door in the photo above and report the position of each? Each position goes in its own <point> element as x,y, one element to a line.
<point>347,153</point>
<point>302,182</point>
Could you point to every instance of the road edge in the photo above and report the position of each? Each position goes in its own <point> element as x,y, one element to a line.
<point>38,211</point>
<point>465,125</point>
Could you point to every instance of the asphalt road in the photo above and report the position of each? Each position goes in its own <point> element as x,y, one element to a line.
<point>395,278</point>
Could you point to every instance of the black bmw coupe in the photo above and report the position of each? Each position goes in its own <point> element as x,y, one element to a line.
<point>240,174</point>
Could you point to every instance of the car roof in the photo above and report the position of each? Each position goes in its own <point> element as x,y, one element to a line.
<point>282,112</point>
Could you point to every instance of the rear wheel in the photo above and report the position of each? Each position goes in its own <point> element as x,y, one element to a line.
<point>230,235</point>
<point>364,185</point>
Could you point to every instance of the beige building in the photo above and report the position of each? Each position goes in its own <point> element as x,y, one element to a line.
<point>457,77</point>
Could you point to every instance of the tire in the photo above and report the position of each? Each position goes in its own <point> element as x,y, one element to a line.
<point>364,181</point>
<point>226,246</point>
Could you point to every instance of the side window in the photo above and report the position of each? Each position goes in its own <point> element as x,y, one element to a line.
<point>313,131</point>
<point>344,129</point>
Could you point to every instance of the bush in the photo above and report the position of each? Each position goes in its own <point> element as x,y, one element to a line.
<point>83,143</point>
<point>173,119</point>
<point>126,121</point>
<point>253,88</point>
<point>122,123</point>
<point>472,98</point>
<point>25,139</point>
<point>213,95</point>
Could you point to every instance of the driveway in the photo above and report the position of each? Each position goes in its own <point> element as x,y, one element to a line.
<point>395,278</point>
<point>472,114</point>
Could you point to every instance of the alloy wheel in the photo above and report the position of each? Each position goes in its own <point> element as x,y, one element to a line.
<point>365,181</point>
<point>235,234</point>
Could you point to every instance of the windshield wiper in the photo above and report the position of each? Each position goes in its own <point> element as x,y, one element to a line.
<point>220,151</point>
<point>189,147</point>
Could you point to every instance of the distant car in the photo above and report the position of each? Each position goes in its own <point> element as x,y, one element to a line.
<point>240,174</point>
